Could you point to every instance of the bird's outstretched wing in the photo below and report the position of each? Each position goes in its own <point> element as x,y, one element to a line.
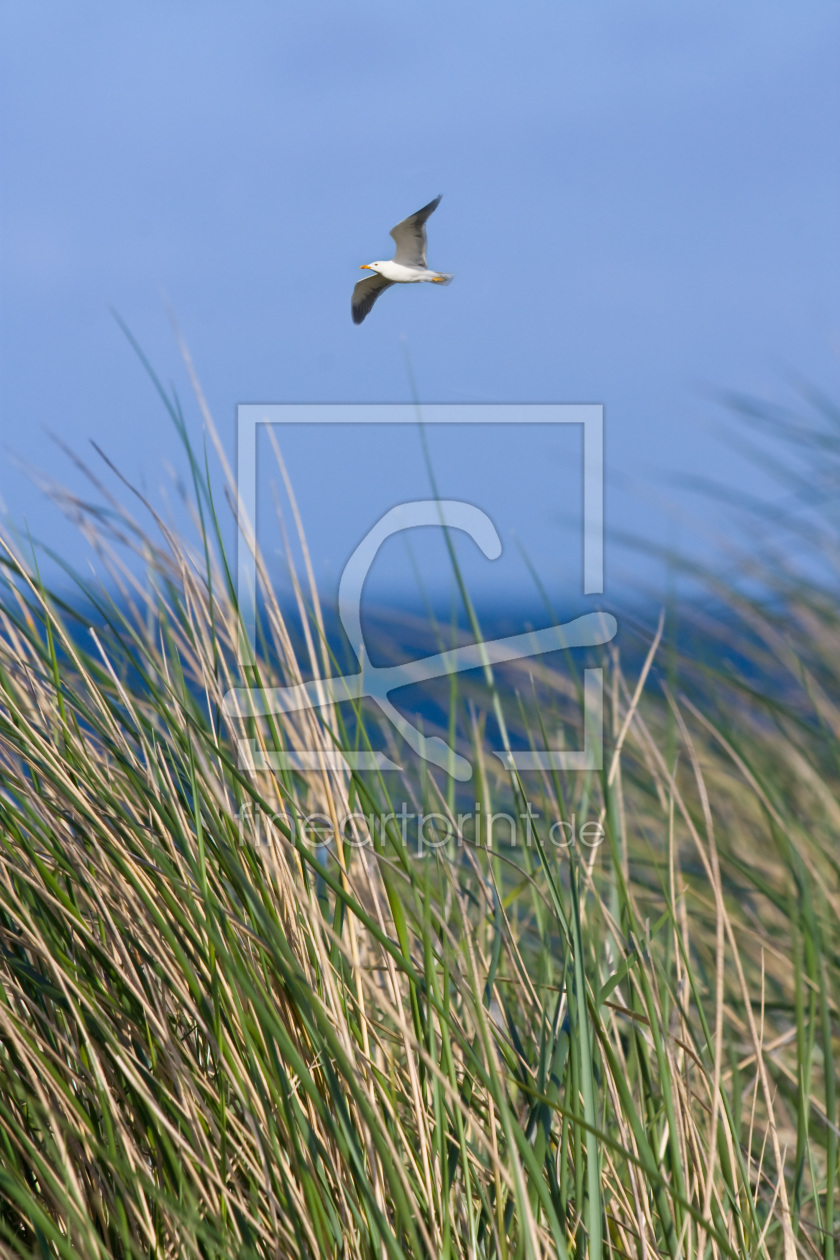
<point>365,294</point>
<point>410,237</point>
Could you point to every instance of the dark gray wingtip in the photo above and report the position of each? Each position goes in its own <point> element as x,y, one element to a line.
<point>365,294</point>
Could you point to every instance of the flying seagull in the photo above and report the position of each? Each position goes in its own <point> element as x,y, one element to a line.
<point>408,266</point>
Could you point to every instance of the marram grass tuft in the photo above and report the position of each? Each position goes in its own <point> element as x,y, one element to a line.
<point>220,1039</point>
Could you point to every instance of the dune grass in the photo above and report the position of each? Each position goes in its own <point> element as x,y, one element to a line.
<point>222,1036</point>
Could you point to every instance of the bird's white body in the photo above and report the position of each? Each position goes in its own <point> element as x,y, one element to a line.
<point>408,266</point>
<point>397,273</point>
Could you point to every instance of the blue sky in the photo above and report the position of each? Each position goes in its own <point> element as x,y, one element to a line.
<point>640,204</point>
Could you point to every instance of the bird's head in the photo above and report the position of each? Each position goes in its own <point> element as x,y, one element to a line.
<point>377,266</point>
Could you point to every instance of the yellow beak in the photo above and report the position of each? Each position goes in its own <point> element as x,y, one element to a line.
<point>365,267</point>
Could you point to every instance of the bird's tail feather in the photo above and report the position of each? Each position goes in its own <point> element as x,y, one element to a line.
<point>443,277</point>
